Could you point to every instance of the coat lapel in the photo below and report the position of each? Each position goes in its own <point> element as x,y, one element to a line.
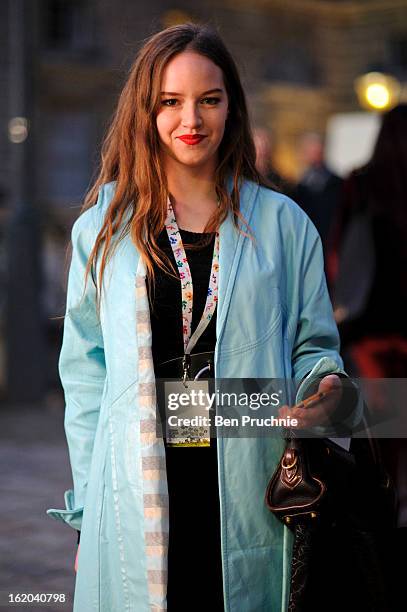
<point>231,244</point>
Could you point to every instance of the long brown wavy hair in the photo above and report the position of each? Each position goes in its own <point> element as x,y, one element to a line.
<point>131,149</point>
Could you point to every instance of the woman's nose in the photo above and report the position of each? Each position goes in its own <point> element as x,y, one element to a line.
<point>191,117</point>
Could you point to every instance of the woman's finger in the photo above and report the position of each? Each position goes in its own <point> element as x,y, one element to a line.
<point>331,383</point>
<point>320,413</point>
<point>309,417</point>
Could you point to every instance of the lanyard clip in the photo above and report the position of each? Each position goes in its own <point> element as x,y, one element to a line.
<point>186,363</point>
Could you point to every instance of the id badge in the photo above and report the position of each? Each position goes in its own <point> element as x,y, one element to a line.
<point>187,413</point>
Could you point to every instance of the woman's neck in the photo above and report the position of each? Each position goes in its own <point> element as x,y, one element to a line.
<point>193,197</point>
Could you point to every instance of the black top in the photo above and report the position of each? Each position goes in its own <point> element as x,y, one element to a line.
<point>165,309</point>
<point>194,561</point>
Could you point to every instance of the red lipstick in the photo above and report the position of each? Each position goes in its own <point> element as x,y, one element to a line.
<point>191,139</point>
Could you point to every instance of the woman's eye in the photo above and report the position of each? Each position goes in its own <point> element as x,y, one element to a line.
<point>211,101</point>
<point>169,102</point>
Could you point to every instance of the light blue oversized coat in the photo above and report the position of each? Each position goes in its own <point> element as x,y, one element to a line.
<point>274,320</point>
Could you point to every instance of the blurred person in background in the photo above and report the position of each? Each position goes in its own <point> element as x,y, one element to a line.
<point>318,191</point>
<point>367,264</point>
<point>264,158</point>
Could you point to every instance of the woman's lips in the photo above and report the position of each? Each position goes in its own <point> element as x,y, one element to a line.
<point>192,139</point>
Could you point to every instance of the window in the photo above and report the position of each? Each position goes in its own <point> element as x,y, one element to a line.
<point>70,25</point>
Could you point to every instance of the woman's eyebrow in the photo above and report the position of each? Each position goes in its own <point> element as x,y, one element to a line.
<point>205,93</point>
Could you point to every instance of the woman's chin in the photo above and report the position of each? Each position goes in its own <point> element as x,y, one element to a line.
<point>194,161</point>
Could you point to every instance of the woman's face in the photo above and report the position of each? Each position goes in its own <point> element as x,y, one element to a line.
<point>193,110</point>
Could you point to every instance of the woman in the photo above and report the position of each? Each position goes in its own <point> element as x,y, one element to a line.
<point>179,154</point>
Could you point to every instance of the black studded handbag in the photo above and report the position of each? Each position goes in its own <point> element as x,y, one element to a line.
<point>327,495</point>
<point>299,492</point>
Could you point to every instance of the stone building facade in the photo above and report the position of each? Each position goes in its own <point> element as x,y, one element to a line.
<point>302,57</point>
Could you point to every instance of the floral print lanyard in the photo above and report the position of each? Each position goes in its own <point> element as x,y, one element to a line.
<point>174,237</point>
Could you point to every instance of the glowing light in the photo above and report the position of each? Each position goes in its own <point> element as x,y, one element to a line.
<point>378,95</point>
<point>377,91</point>
<point>18,129</point>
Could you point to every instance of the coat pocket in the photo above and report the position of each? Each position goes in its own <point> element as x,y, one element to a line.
<point>254,322</point>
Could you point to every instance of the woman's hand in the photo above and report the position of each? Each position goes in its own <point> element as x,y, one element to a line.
<point>320,413</point>
<point>76,559</point>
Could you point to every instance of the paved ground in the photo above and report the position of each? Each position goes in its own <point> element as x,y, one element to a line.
<point>36,552</point>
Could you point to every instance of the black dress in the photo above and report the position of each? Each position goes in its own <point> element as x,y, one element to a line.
<point>194,557</point>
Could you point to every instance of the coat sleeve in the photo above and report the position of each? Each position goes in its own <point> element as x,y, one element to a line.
<point>316,346</point>
<point>81,368</point>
